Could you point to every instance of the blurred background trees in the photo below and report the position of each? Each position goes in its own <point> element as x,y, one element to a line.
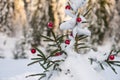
<point>27,19</point>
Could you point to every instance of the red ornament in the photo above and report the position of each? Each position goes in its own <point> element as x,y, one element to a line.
<point>58,54</point>
<point>67,41</point>
<point>50,25</point>
<point>111,57</point>
<point>33,51</point>
<point>78,19</point>
<point>68,7</point>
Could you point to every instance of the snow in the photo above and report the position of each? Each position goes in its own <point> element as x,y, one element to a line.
<point>7,45</point>
<point>69,12</point>
<point>75,4</point>
<point>68,24</point>
<point>74,68</point>
<point>17,69</point>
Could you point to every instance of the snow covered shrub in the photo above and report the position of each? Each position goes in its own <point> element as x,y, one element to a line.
<point>66,62</point>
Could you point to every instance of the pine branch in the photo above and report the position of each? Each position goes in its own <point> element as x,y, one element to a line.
<point>55,39</point>
<point>53,52</point>
<point>49,66</point>
<point>84,47</point>
<point>91,60</point>
<point>47,38</point>
<point>35,75</point>
<point>82,37</point>
<point>87,12</point>
<point>114,61</point>
<point>60,38</point>
<point>117,52</point>
<point>42,54</point>
<point>80,44</point>
<point>36,58</point>
<point>64,53</point>
<point>109,55</point>
<point>33,62</point>
<point>43,66</point>
<point>52,45</point>
<point>112,68</point>
<point>115,64</point>
<point>42,77</point>
<point>86,22</point>
<point>101,66</point>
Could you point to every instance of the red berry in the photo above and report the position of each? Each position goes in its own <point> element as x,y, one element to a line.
<point>67,41</point>
<point>78,19</point>
<point>111,57</point>
<point>58,54</point>
<point>50,25</point>
<point>68,7</point>
<point>33,51</point>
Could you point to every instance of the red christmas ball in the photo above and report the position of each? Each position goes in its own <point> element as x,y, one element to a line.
<point>58,54</point>
<point>78,19</point>
<point>50,25</point>
<point>68,7</point>
<point>111,57</point>
<point>33,51</point>
<point>67,41</point>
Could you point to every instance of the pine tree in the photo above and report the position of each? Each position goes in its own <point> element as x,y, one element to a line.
<point>65,56</point>
<point>103,13</point>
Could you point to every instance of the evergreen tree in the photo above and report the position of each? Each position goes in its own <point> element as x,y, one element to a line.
<point>65,59</point>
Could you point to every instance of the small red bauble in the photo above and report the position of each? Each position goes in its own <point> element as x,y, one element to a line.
<point>50,25</point>
<point>33,51</point>
<point>78,19</point>
<point>111,57</point>
<point>68,7</point>
<point>67,41</point>
<point>58,54</point>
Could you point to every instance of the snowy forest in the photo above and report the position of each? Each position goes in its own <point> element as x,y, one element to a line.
<point>22,23</point>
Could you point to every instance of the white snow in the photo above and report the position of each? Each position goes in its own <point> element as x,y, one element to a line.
<point>75,4</point>
<point>74,68</point>
<point>68,24</point>
<point>17,69</point>
<point>69,12</point>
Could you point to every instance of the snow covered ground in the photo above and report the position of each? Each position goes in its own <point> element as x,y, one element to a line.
<point>17,70</point>
<point>11,69</point>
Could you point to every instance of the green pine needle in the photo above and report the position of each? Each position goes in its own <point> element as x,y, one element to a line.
<point>33,62</point>
<point>47,38</point>
<point>35,75</point>
<point>61,37</point>
<point>112,68</point>
<point>41,53</point>
<point>36,58</point>
<point>53,52</point>
<point>101,66</point>
<point>52,45</point>
<point>87,12</point>
<point>54,35</point>
<point>49,66</point>
<point>41,77</point>
<point>42,65</point>
<point>84,47</point>
<point>82,37</point>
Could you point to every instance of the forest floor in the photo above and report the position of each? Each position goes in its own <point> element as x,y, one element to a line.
<point>17,70</point>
